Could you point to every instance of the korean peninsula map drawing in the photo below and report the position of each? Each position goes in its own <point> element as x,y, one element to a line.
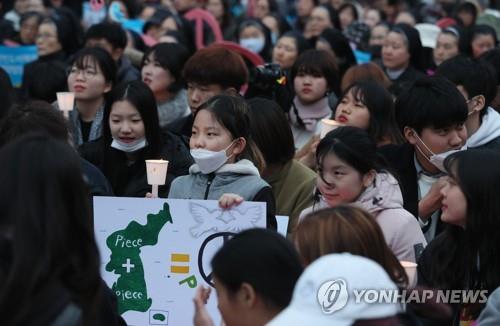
<point>125,260</point>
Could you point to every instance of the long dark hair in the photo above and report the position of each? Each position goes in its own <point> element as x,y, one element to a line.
<point>45,227</point>
<point>379,102</point>
<point>468,258</point>
<point>141,97</point>
<point>232,113</point>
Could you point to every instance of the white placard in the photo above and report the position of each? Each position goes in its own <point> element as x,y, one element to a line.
<point>155,252</point>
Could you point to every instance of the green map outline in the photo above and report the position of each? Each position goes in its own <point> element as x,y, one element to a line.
<point>130,288</point>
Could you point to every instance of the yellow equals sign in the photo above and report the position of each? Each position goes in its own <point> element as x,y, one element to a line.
<point>179,258</point>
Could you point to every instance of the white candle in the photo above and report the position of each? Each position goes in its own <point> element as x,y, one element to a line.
<point>328,125</point>
<point>157,173</point>
<point>66,102</point>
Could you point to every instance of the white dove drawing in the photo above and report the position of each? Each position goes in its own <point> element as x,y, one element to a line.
<point>247,218</point>
<point>206,219</point>
<point>218,220</point>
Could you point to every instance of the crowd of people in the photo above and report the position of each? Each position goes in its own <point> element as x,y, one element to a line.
<point>406,173</point>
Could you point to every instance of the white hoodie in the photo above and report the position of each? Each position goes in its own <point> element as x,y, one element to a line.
<point>488,131</point>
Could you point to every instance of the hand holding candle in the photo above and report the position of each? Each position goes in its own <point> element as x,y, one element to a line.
<point>156,173</point>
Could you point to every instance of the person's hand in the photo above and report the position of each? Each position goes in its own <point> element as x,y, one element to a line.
<point>432,201</point>
<point>150,195</point>
<point>227,201</point>
<point>309,159</point>
<point>201,316</point>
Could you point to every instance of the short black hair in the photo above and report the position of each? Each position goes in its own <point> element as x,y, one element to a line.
<point>49,77</point>
<point>493,57</point>
<point>318,63</point>
<point>229,71</point>
<point>433,102</point>
<point>97,56</point>
<point>34,116</point>
<point>477,78</point>
<point>262,258</point>
<point>110,31</point>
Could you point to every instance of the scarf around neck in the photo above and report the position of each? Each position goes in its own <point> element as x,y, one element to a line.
<point>309,114</point>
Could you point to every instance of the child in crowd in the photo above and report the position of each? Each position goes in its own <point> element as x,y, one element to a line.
<point>314,75</point>
<point>161,70</point>
<point>112,37</point>
<point>431,114</point>
<point>254,275</point>
<point>351,172</point>
<point>369,106</point>
<point>131,135</point>
<point>478,84</point>
<point>228,163</point>
<point>205,79</point>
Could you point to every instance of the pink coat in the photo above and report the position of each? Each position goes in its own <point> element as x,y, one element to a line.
<point>383,199</point>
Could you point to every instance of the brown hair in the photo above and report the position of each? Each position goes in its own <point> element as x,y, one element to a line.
<point>346,229</point>
<point>365,71</point>
<point>216,65</point>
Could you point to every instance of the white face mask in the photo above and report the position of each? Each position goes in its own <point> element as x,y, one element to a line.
<point>129,147</point>
<point>255,44</point>
<point>209,161</point>
<point>437,159</point>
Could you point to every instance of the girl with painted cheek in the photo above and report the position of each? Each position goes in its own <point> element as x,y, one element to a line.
<point>369,106</point>
<point>227,161</point>
<point>91,76</point>
<point>350,171</point>
<point>314,75</point>
<point>465,255</point>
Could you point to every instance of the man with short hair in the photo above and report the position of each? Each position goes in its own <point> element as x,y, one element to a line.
<point>209,72</point>
<point>113,38</point>
<point>477,82</point>
<point>431,114</point>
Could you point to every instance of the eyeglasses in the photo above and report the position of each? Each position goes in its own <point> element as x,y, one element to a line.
<point>87,73</point>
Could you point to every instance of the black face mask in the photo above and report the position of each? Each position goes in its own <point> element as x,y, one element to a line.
<point>376,51</point>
